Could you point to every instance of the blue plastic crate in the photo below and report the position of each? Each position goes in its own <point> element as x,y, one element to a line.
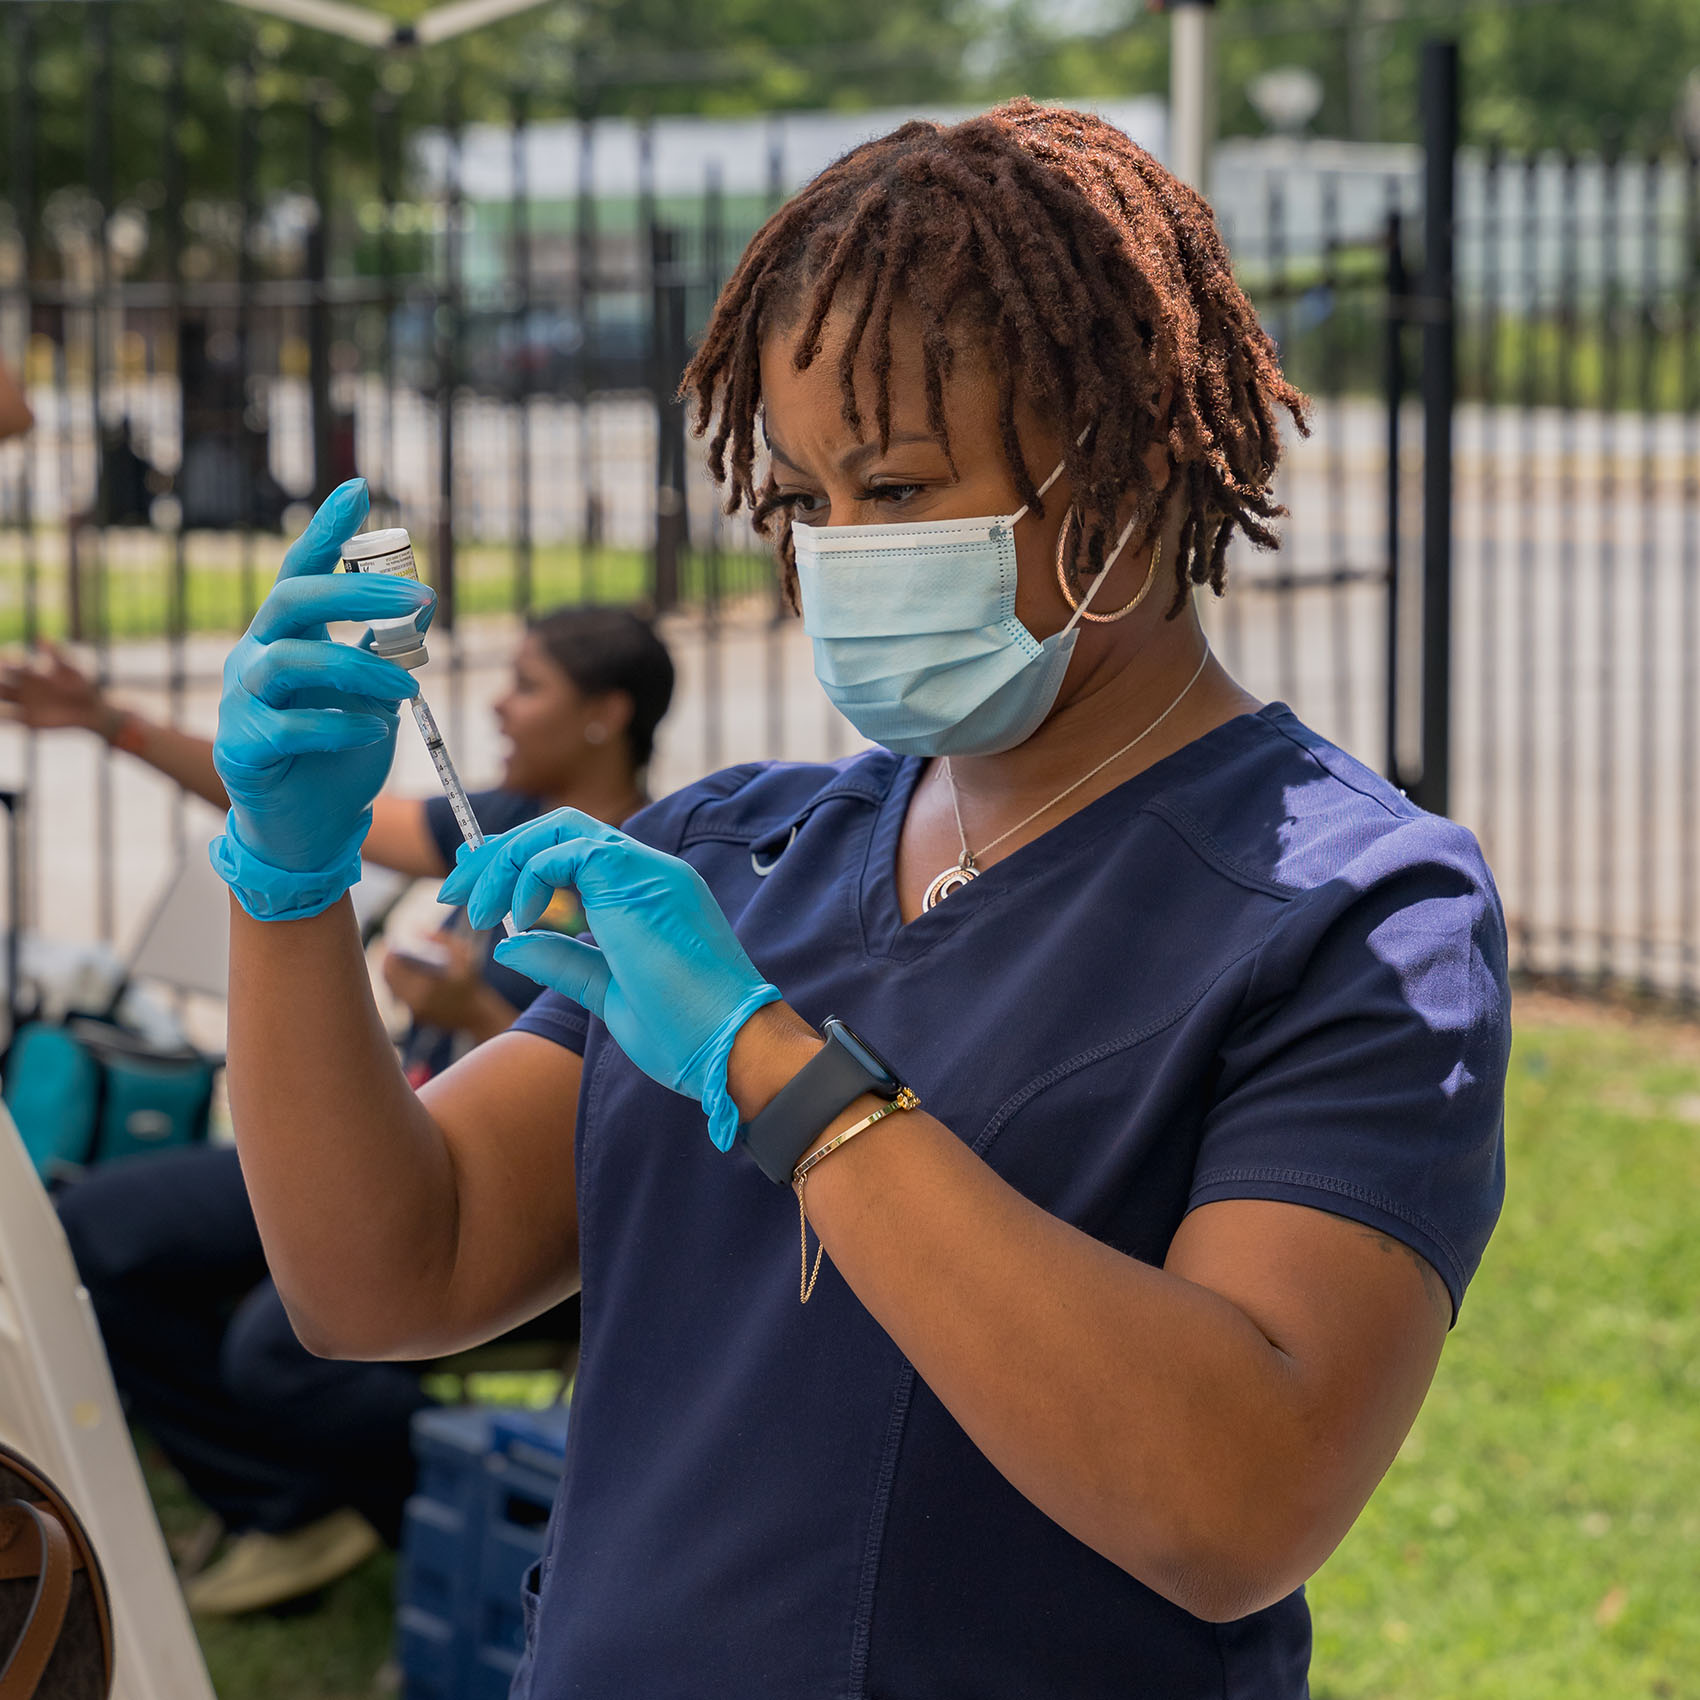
<point>520,1499</point>
<point>472,1529</point>
<point>534,1438</point>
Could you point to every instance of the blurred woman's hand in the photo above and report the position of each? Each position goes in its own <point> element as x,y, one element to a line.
<point>444,986</point>
<point>58,694</point>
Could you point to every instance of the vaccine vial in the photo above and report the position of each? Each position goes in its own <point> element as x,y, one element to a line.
<point>389,551</point>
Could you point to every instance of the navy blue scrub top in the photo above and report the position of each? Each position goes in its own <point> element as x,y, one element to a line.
<point>1253,971</point>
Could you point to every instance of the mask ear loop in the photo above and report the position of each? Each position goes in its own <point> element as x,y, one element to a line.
<point>1080,608</point>
<point>1021,512</point>
<point>1056,473</point>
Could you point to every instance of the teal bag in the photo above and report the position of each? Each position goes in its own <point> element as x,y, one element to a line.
<point>90,1091</point>
<point>151,1100</point>
<point>53,1092</point>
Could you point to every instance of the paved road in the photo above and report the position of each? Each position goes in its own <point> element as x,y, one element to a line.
<point>1577,628</point>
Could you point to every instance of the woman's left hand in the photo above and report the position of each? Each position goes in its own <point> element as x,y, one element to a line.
<point>453,994</point>
<point>666,973</point>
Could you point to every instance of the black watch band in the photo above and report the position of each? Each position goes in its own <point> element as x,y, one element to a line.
<point>804,1107</point>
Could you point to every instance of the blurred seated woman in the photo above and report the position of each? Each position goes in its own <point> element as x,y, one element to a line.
<point>305,1462</point>
<point>589,688</point>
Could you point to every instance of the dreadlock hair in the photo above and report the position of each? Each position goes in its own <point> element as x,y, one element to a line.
<point>1094,283</point>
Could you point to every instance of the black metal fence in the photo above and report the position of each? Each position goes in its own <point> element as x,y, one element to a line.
<point>1490,585</point>
<point>478,321</point>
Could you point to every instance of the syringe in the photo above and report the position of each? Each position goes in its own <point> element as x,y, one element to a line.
<point>399,640</point>
<point>459,802</point>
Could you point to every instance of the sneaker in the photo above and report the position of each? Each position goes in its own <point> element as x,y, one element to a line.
<point>258,1570</point>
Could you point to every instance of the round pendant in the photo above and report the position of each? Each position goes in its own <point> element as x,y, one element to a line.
<point>952,879</point>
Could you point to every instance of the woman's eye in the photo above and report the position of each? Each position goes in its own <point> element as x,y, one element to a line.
<point>801,501</point>
<point>893,492</point>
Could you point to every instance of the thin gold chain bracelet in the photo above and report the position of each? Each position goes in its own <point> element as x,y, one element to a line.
<point>905,1100</point>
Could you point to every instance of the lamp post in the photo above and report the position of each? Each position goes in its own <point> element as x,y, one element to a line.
<point>1192,89</point>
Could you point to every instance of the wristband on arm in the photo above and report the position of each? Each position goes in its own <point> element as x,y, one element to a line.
<point>124,731</point>
<point>807,1104</point>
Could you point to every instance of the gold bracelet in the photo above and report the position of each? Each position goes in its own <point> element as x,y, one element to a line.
<point>905,1100</point>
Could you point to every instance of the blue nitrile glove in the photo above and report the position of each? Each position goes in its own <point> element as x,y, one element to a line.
<point>306,727</point>
<point>666,973</point>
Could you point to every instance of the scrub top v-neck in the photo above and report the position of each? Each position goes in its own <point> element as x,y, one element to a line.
<point>884,931</point>
<point>1252,971</point>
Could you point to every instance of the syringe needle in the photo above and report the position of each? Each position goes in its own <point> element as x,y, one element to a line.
<point>459,802</point>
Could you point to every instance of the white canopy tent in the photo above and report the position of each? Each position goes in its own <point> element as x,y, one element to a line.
<point>59,1408</point>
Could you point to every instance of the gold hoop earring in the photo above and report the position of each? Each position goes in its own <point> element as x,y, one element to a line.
<point>1121,613</point>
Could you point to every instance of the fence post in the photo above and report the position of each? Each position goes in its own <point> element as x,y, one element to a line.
<point>665,364</point>
<point>519,210</point>
<point>450,328</point>
<point>1439,383</point>
<point>1393,382</point>
<point>318,296</point>
<point>667,335</point>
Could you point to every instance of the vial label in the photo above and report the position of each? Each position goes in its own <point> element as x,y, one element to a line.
<point>396,639</point>
<point>399,563</point>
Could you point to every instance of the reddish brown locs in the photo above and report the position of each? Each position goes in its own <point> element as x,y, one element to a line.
<point>1092,281</point>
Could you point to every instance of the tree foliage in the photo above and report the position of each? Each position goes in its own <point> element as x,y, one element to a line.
<point>97,93</point>
<point>1537,73</point>
<point>96,90</point>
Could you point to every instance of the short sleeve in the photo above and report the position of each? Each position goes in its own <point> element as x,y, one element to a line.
<point>557,1019</point>
<point>1366,1074</point>
<point>497,810</point>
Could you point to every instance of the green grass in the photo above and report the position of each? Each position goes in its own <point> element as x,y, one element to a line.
<point>334,1646</point>
<point>131,592</point>
<point>330,1647</point>
<point>1539,1536</point>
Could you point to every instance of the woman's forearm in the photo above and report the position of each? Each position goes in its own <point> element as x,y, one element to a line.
<point>351,1181</point>
<point>398,838</point>
<point>1146,1413</point>
<point>179,755</point>
<point>491,1014</point>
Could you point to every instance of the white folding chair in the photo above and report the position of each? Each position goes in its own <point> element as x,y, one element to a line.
<point>375,896</point>
<point>59,1408</point>
<point>186,942</point>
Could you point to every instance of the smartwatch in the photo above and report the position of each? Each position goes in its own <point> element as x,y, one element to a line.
<point>806,1105</point>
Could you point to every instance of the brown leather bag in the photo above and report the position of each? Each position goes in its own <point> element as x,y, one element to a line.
<point>55,1612</point>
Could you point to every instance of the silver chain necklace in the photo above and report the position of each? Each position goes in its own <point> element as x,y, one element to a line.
<point>967,866</point>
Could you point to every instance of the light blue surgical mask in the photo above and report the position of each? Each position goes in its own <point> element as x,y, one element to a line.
<point>915,636</point>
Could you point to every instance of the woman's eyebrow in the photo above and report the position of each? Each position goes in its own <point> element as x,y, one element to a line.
<point>857,457</point>
<point>777,453</point>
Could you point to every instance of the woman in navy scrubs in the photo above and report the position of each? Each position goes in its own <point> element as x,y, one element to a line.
<point>1135,1055</point>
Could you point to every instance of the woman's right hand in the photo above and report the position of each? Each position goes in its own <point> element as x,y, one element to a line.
<point>307,727</point>
<point>58,695</point>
